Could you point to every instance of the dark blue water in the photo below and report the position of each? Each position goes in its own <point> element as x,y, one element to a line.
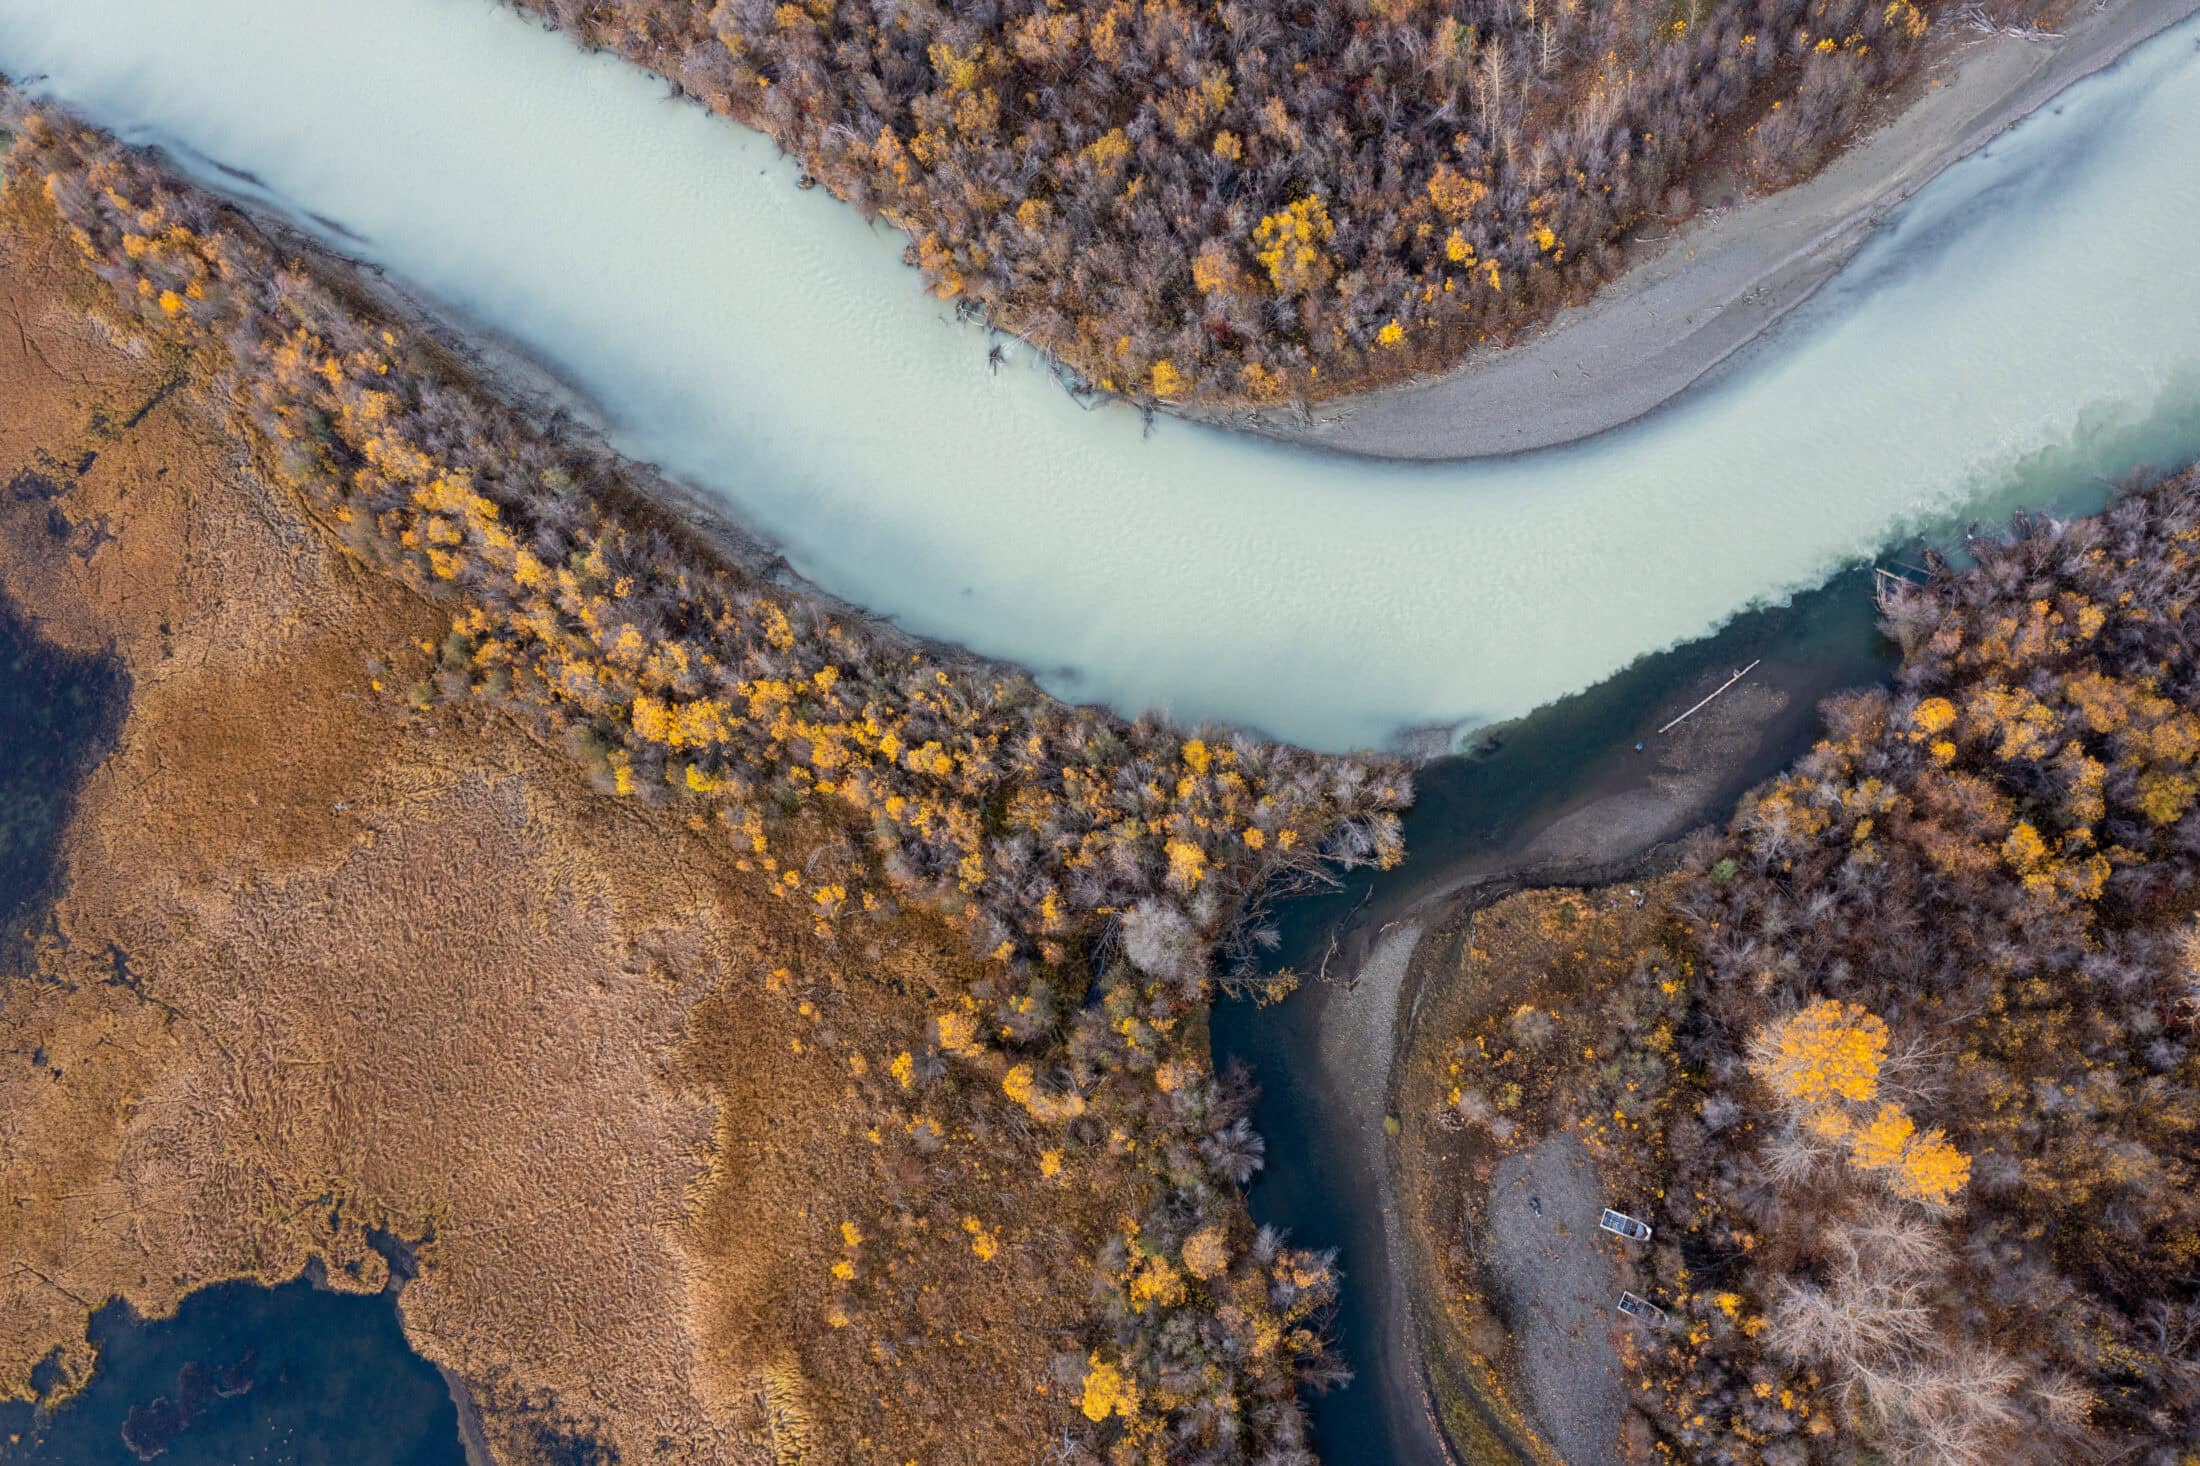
<point>1322,1185</point>
<point>249,1376</point>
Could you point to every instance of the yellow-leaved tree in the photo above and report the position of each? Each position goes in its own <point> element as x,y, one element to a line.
<point>1822,1064</point>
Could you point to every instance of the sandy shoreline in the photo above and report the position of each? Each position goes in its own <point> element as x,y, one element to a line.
<point>1622,821</point>
<point>1723,279</point>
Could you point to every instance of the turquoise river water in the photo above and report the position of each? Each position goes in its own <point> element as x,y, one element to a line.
<point>2031,316</point>
<point>2022,333</point>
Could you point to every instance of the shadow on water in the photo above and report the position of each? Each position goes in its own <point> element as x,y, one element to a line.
<point>245,1375</point>
<point>287,1376</point>
<point>58,713</point>
<point>1472,816</point>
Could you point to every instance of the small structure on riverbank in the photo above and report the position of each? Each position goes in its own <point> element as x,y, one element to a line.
<point>1621,1224</point>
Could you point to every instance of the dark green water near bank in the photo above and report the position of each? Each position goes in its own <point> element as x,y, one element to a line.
<point>1472,815</point>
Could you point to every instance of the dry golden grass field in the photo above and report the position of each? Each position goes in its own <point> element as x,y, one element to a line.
<point>385,966</point>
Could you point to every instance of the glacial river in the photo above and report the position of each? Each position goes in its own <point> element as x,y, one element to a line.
<point>2032,319</point>
<point>2025,330</point>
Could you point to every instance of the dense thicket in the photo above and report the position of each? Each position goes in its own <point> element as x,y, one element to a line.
<point>1937,1197</point>
<point>1255,199</point>
<point>848,768</point>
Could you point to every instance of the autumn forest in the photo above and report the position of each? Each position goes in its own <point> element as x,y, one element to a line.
<point>723,1015</point>
<point>1909,1047</point>
<point>1256,201</point>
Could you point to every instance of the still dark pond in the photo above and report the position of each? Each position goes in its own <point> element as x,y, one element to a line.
<point>56,711</point>
<point>249,1376</point>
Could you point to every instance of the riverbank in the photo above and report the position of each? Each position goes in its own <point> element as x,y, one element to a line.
<point>1562,797</point>
<point>1704,291</point>
<point>1621,826</point>
<point>1513,1282</point>
<point>1535,1393</point>
<point>852,423</point>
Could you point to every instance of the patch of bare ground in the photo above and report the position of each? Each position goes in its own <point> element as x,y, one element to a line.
<point>1533,1009</point>
<point>323,961</point>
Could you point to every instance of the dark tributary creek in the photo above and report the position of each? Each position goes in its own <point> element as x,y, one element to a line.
<point>1476,817</point>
